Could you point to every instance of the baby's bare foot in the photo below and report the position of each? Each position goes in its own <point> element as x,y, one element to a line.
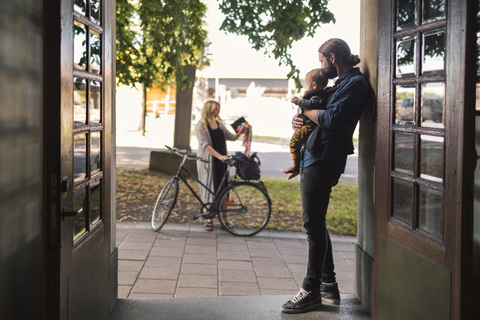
<point>292,175</point>
<point>289,169</point>
<point>293,170</point>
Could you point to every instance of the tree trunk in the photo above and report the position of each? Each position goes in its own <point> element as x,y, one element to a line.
<point>143,120</point>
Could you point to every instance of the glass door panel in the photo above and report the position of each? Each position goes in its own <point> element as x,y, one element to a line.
<point>88,121</point>
<point>404,153</point>
<point>433,51</point>
<point>404,105</point>
<point>94,103</point>
<point>95,202</point>
<point>406,14</point>
<point>95,153</point>
<point>418,128</point>
<point>79,102</point>
<point>430,215</point>
<point>402,201</point>
<point>80,6</point>
<point>80,157</point>
<point>431,161</point>
<point>433,10</point>
<point>79,227</point>
<point>95,52</point>
<point>79,46</point>
<point>433,104</point>
<point>95,12</point>
<point>405,57</point>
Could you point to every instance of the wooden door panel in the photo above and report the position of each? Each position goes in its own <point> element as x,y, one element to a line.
<point>79,58</point>
<point>423,175</point>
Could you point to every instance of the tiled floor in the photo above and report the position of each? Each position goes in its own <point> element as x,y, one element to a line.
<point>184,261</point>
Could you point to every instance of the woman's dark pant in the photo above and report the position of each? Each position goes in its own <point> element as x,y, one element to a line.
<point>316,185</point>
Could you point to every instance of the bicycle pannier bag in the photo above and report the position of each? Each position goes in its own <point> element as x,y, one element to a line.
<point>248,168</point>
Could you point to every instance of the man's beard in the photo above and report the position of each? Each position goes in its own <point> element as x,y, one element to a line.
<point>330,70</point>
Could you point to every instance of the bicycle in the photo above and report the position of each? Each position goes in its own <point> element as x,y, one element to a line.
<point>243,207</point>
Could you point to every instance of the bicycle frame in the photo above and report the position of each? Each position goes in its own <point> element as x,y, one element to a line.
<point>179,176</point>
<point>242,207</point>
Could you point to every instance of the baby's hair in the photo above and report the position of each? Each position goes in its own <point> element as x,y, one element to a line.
<point>319,77</point>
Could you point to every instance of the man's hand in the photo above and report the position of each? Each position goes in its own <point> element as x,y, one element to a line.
<point>295,99</point>
<point>297,122</point>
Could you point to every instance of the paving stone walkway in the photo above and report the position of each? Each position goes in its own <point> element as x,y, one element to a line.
<point>184,261</point>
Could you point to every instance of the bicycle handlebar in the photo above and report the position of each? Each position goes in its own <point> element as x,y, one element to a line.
<point>184,153</point>
<point>231,160</point>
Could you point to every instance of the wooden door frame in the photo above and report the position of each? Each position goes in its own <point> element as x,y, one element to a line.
<point>463,290</point>
<point>459,142</point>
<point>52,116</point>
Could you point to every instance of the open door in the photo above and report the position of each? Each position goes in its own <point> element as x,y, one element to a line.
<point>424,167</point>
<point>78,102</point>
<point>476,207</point>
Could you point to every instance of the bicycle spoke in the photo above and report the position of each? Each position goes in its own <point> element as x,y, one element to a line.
<point>165,202</point>
<point>246,208</point>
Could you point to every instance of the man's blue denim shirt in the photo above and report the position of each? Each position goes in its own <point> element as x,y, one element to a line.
<point>333,141</point>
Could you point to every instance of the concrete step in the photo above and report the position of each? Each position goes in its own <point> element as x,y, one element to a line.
<point>231,308</point>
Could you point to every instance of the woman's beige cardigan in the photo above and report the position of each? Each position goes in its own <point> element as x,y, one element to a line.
<point>205,174</point>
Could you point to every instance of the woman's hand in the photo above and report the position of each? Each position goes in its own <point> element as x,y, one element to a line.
<point>297,122</point>
<point>222,158</point>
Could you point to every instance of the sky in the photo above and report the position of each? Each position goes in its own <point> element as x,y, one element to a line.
<point>233,57</point>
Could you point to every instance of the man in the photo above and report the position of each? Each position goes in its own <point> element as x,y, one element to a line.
<point>324,156</point>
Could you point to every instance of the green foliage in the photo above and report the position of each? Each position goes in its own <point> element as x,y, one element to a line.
<point>274,25</point>
<point>156,37</point>
<point>137,191</point>
<point>287,206</point>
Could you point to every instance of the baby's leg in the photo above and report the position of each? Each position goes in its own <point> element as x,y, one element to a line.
<point>293,170</point>
<point>298,139</point>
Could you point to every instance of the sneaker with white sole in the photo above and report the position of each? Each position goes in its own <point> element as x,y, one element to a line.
<point>330,293</point>
<point>303,301</point>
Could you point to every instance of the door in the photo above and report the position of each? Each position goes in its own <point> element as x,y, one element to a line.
<point>476,224</point>
<point>78,99</point>
<point>424,172</point>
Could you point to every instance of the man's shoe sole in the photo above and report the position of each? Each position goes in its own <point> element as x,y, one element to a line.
<point>306,309</point>
<point>331,301</point>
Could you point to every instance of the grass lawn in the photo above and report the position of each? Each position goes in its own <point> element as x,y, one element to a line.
<point>137,190</point>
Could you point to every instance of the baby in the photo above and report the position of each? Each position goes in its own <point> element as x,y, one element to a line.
<point>316,97</point>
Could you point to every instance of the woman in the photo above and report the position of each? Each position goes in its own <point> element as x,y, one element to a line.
<point>212,147</point>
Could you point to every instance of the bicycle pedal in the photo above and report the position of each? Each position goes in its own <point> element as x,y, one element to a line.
<point>195,218</point>
<point>229,202</point>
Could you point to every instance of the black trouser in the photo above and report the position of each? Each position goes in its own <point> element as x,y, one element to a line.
<point>316,185</point>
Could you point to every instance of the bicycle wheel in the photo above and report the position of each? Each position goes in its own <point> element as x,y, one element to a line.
<point>244,209</point>
<point>165,202</point>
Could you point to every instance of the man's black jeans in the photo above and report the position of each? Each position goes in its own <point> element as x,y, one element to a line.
<point>316,185</point>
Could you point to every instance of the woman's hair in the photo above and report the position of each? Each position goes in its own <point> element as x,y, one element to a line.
<point>207,117</point>
<point>318,76</point>
<point>341,50</point>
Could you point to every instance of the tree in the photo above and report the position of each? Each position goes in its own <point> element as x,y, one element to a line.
<point>155,38</point>
<point>274,25</point>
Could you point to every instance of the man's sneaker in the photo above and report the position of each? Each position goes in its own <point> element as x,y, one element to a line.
<point>330,293</point>
<point>303,301</point>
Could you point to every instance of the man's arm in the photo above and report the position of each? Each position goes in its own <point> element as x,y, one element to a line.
<point>312,114</point>
<point>347,104</point>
